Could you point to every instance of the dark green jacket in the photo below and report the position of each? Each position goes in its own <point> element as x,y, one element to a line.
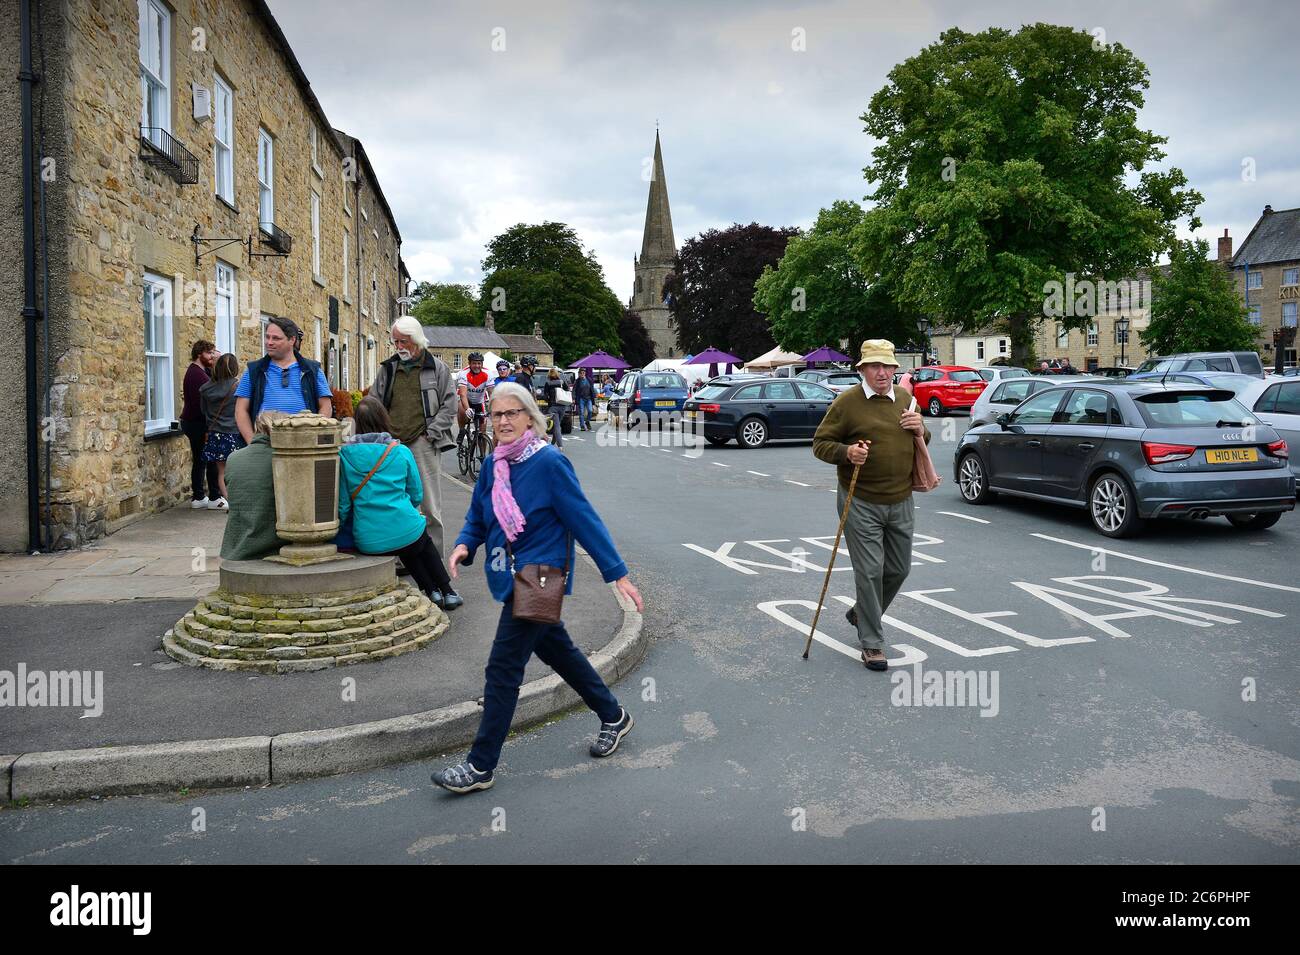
<point>250,525</point>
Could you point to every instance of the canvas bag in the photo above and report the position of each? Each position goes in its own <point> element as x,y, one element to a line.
<point>924,475</point>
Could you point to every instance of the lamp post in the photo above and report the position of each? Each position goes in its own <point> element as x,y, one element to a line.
<point>1121,326</point>
<point>924,326</point>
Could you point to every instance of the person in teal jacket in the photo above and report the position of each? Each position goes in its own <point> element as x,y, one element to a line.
<point>385,516</point>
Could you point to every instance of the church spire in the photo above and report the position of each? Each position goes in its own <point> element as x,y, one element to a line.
<point>657,243</point>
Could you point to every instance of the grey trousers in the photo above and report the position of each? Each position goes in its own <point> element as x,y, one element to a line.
<point>429,463</point>
<point>879,539</point>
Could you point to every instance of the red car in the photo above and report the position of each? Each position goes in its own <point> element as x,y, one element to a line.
<point>943,388</point>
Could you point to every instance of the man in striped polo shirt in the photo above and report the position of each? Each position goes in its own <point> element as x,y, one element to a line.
<point>282,380</point>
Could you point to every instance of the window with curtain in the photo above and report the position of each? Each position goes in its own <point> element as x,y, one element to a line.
<point>155,68</point>
<point>223,139</point>
<point>265,179</point>
<point>159,392</point>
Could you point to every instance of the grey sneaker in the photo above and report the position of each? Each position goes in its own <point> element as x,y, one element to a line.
<point>462,778</point>
<point>611,734</point>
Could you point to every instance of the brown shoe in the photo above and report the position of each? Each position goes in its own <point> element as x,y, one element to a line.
<point>875,663</point>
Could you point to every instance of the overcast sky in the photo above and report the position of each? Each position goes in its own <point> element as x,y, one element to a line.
<point>559,125</point>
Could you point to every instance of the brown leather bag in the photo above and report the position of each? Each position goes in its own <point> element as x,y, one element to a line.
<point>539,589</point>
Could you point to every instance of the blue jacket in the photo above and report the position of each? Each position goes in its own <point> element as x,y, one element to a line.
<point>547,491</point>
<point>386,514</point>
<point>256,372</point>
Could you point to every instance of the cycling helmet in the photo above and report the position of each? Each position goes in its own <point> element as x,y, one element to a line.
<point>475,356</point>
<point>503,364</point>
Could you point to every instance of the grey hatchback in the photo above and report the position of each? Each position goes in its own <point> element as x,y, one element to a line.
<point>1129,451</point>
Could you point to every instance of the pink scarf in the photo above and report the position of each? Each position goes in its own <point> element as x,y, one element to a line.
<point>504,507</point>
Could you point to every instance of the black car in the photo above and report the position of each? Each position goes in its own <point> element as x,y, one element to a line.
<point>755,412</point>
<point>540,377</point>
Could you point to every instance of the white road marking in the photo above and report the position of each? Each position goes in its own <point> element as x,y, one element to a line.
<point>758,473</point>
<point>772,608</point>
<point>721,465</point>
<point>964,517</point>
<point>1160,563</point>
<point>797,483</point>
<point>574,437</point>
<point>982,619</point>
<point>666,450</point>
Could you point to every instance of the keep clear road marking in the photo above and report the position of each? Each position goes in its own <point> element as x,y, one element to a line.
<point>1161,563</point>
<point>964,517</point>
<point>797,483</point>
<point>758,473</point>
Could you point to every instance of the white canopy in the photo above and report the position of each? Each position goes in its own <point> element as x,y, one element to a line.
<point>773,359</point>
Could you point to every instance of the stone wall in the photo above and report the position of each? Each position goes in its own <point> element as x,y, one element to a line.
<point>124,218</point>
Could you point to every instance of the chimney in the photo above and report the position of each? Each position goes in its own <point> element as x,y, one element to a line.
<point>1268,211</point>
<point>1225,247</point>
<point>537,329</point>
<point>491,326</point>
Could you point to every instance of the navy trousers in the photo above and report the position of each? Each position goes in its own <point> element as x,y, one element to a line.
<point>515,642</point>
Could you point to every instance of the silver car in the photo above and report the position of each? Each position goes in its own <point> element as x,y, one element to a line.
<point>1130,451</point>
<point>1000,397</point>
<point>1275,400</point>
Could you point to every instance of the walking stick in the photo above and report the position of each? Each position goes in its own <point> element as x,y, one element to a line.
<point>848,502</point>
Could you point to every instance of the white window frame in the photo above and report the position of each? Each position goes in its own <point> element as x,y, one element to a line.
<point>1092,335</point>
<point>226,332</point>
<point>315,151</point>
<point>155,67</point>
<point>159,373</point>
<point>1294,307</point>
<point>315,234</point>
<point>344,364</point>
<point>1254,315</point>
<point>979,350</point>
<point>223,153</point>
<point>455,362</point>
<point>1002,346</point>
<point>265,179</point>
<point>318,340</point>
<point>347,191</point>
<point>1291,276</point>
<point>1254,280</point>
<point>1062,337</point>
<point>347,242</point>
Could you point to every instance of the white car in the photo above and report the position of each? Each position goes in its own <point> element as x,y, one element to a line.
<point>1001,372</point>
<point>1003,396</point>
<point>1276,402</point>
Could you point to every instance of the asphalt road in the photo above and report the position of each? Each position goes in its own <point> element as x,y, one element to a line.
<point>1139,702</point>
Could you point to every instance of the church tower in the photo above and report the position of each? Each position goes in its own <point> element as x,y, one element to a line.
<point>652,267</point>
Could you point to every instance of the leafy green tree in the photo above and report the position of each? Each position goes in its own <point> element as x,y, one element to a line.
<point>540,274</point>
<point>711,289</point>
<point>637,348</point>
<point>442,303</point>
<point>1005,161</point>
<point>1195,307</point>
<point>817,294</point>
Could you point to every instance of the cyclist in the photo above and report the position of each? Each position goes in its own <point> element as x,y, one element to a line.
<point>472,389</point>
<point>503,373</point>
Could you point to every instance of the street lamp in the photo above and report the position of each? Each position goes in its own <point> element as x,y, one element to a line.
<point>1121,326</point>
<point>924,326</point>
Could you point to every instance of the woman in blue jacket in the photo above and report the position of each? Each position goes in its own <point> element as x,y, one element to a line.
<point>386,516</point>
<point>531,498</point>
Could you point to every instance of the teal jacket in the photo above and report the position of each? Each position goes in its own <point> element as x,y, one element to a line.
<point>386,514</point>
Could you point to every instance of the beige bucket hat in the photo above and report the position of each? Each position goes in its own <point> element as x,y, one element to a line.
<point>877,349</point>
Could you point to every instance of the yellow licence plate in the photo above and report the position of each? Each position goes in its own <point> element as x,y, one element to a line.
<point>1231,455</point>
<point>691,415</point>
<point>665,404</point>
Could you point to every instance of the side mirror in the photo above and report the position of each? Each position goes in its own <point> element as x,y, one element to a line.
<point>1004,420</point>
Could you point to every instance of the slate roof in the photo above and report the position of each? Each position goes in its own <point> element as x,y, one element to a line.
<point>1275,238</point>
<point>463,336</point>
<point>528,345</point>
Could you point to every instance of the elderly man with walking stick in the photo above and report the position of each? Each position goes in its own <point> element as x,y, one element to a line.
<point>871,435</point>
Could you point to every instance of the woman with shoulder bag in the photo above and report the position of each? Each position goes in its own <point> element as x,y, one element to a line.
<point>217,397</point>
<point>527,509</point>
<point>554,410</point>
<point>380,491</point>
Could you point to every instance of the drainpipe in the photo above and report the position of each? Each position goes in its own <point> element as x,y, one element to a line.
<point>31,313</point>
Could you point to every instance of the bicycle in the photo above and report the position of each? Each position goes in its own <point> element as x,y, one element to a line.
<point>474,444</point>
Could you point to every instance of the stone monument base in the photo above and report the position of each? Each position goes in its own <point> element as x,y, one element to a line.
<point>271,617</point>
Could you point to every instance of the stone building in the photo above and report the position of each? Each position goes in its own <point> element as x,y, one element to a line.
<point>1267,274</point>
<point>655,264</point>
<point>454,344</point>
<point>190,186</point>
<point>1099,306</point>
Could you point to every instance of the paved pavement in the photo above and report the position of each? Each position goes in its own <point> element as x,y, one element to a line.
<point>1145,708</point>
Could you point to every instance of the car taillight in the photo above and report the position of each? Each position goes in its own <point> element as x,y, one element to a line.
<point>1279,450</point>
<point>714,409</point>
<point>637,397</point>
<point>1157,453</point>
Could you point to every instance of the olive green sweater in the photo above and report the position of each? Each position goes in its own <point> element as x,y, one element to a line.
<point>886,477</point>
<point>250,526</point>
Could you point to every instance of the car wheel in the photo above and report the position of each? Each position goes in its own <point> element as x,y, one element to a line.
<point>751,433</point>
<point>1112,506</point>
<point>973,481</point>
<point>935,407</point>
<point>716,442</point>
<point>567,425</point>
<point>1254,522</point>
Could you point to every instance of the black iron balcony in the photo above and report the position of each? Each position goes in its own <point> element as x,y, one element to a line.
<point>276,237</point>
<point>158,148</point>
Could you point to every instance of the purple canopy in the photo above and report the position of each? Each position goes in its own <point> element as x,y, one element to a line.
<point>602,360</point>
<point>825,354</point>
<point>711,356</point>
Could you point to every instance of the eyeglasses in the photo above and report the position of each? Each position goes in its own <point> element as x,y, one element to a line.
<point>507,415</point>
<point>284,377</point>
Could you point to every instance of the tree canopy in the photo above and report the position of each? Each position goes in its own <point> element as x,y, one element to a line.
<point>1007,160</point>
<point>817,294</point>
<point>443,303</point>
<point>711,290</point>
<point>1196,306</point>
<point>541,274</point>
